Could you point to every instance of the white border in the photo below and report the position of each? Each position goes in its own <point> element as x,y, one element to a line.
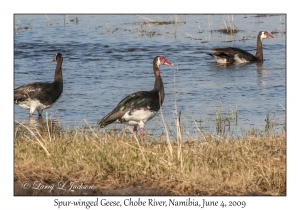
<point>8,201</point>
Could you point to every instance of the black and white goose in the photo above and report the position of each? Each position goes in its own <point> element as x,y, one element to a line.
<point>139,107</point>
<point>41,95</point>
<point>231,55</point>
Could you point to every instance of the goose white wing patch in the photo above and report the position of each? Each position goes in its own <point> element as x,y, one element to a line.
<point>239,60</point>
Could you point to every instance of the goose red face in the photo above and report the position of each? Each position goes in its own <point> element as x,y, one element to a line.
<point>164,61</point>
<point>267,35</point>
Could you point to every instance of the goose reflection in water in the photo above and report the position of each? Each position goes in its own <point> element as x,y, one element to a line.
<point>38,126</point>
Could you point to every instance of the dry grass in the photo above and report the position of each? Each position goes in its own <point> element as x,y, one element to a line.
<point>108,161</point>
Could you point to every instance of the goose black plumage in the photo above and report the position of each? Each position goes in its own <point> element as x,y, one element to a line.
<point>41,95</point>
<point>139,107</point>
<point>230,55</point>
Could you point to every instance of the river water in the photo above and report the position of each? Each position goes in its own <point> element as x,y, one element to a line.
<point>107,57</point>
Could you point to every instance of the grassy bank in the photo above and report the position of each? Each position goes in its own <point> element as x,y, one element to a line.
<point>253,165</point>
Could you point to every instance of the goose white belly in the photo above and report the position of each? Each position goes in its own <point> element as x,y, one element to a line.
<point>33,104</point>
<point>138,117</point>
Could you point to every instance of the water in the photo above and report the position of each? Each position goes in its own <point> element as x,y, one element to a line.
<point>107,57</point>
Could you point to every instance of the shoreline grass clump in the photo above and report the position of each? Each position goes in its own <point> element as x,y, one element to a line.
<point>147,26</point>
<point>225,119</point>
<point>279,29</point>
<point>230,28</point>
<point>111,161</point>
<point>174,20</point>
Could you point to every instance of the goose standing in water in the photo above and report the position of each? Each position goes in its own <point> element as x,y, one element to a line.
<point>139,107</point>
<point>41,95</point>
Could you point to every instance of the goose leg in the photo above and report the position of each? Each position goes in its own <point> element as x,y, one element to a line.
<point>142,133</point>
<point>40,112</point>
<point>31,110</point>
<point>134,130</point>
